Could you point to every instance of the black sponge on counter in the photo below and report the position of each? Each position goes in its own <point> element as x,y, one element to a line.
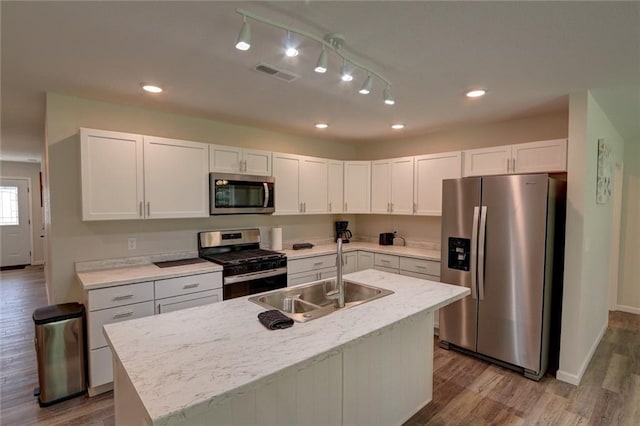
<point>274,319</point>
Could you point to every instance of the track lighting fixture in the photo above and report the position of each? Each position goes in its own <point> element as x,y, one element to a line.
<point>321,66</point>
<point>244,38</point>
<point>366,87</point>
<point>333,42</point>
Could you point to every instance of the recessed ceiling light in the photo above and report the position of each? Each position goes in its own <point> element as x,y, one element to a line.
<point>321,125</point>
<point>151,88</point>
<point>475,93</point>
<point>397,126</point>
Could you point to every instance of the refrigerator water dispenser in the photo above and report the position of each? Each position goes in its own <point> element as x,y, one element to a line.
<point>459,253</point>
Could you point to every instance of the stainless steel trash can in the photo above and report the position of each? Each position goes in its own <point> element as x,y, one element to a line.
<point>60,352</point>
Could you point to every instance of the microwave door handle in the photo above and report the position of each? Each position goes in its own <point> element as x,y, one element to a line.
<point>266,194</point>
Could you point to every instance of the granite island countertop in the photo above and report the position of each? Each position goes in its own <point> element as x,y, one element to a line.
<point>190,359</point>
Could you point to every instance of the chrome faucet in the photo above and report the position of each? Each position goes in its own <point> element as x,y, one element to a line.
<point>339,281</point>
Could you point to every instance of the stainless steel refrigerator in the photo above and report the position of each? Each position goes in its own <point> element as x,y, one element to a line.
<point>498,239</point>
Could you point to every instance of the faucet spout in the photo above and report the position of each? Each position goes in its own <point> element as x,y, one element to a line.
<point>339,281</point>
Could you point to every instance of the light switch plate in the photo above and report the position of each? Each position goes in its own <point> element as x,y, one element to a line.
<point>131,243</point>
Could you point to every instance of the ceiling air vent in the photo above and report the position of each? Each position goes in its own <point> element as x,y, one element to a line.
<point>276,73</point>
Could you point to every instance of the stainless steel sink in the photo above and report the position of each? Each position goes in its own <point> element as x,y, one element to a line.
<point>306,302</point>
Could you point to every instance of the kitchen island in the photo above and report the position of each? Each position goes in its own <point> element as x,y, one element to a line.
<point>216,364</point>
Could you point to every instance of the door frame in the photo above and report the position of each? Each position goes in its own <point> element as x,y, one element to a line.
<point>29,211</point>
<point>614,260</point>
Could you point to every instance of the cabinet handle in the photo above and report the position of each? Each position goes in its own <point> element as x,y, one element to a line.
<point>148,208</point>
<point>305,206</point>
<point>317,264</point>
<point>415,207</point>
<point>141,212</point>
<point>385,261</point>
<point>508,164</point>
<point>194,285</point>
<point>421,267</point>
<point>329,206</point>
<point>300,207</point>
<point>345,207</point>
<point>123,297</point>
<point>513,167</point>
<point>123,314</point>
<point>245,165</point>
<point>391,207</point>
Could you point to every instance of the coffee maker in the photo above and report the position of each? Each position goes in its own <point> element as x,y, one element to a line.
<point>342,231</point>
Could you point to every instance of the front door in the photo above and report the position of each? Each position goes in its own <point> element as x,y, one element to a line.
<point>15,229</point>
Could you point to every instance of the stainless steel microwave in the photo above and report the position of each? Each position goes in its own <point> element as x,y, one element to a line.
<point>241,194</point>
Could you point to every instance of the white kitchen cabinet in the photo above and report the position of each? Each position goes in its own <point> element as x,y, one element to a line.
<point>231,159</point>
<point>176,178</point>
<point>357,186</point>
<point>365,260</point>
<point>126,176</point>
<point>350,262</point>
<point>112,175</point>
<point>386,262</point>
<point>392,186</point>
<point>430,171</point>
<point>301,184</point>
<point>532,157</point>
<point>335,186</point>
<point>308,269</point>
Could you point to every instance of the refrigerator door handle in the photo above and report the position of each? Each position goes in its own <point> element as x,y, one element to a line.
<point>474,257</point>
<point>481,241</point>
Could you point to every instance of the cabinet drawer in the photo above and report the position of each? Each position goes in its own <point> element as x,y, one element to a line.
<point>176,303</point>
<point>385,269</point>
<point>419,275</point>
<point>311,263</point>
<point>189,284</point>
<point>310,276</point>
<point>100,367</point>
<point>121,295</point>
<point>386,260</point>
<point>421,266</point>
<point>97,319</point>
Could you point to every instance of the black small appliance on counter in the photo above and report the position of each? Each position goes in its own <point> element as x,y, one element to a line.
<point>342,231</point>
<point>386,239</point>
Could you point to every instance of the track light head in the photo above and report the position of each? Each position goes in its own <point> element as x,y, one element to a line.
<point>244,38</point>
<point>345,72</point>
<point>388,99</point>
<point>321,66</point>
<point>366,87</point>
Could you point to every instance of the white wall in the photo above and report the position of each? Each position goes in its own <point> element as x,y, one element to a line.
<point>629,276</point>
<point>588,238</point>
<point>72,240</point>
<point>32,171</point>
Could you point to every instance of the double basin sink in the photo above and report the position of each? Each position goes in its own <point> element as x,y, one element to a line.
<point>310,301</point>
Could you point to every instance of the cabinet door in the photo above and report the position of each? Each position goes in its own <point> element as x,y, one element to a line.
<point>335,186</point>
<point>257,162</point>
<point>176,178</point>
<point>357,186</point>
<point>365,260</point>
<point>542,156</point>
<point>350,262</point>
<point>487,161</point>
<point>286,170</point>
<point>381,185</point>
<point>111,175</point>
<point>313,185</point>
<point>224,159</point>
<point>177,303</point>
<point>430,171</point>
<point>302,278</point>
<point>402,185</point>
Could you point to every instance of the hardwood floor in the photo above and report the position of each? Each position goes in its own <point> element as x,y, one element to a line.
<point>467,391</point>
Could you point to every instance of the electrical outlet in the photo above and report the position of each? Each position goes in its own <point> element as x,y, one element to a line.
<point>131,243</point>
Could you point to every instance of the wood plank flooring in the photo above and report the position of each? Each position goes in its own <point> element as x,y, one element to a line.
<point>467,391</point>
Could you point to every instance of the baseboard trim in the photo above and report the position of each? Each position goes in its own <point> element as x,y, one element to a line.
<point>37,262</point>
<point>574,379</point>
<point>628,309</point>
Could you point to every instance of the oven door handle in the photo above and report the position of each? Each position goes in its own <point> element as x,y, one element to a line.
<point>254,276</point>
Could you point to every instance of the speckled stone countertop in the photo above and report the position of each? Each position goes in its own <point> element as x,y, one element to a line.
<point>409,251</point>
<point>182,362</point>
<point>91,280</point>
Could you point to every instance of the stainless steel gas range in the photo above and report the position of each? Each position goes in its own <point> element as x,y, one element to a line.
<point>246,268</point>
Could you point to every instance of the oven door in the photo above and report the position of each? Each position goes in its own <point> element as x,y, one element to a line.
<point>234,194</point>
<point>255,282</point>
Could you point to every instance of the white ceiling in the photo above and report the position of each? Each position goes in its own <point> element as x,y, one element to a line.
<point>529,55</point>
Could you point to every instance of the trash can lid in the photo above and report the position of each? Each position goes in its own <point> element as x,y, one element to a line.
<point>59,312</point>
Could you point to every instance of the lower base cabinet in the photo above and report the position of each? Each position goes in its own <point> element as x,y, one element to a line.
<point>130,301</point>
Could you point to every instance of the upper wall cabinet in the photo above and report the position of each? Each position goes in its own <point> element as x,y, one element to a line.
<point>430,171</point>
<point>532,157</point>
<point>112,175</point>
<point>335,186</point>
<point>184,192</point>
<point>124,176</point>
<point>392,186</point>
<point>301,184</point>
<point>357,187</point>
<point>230,159</point>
